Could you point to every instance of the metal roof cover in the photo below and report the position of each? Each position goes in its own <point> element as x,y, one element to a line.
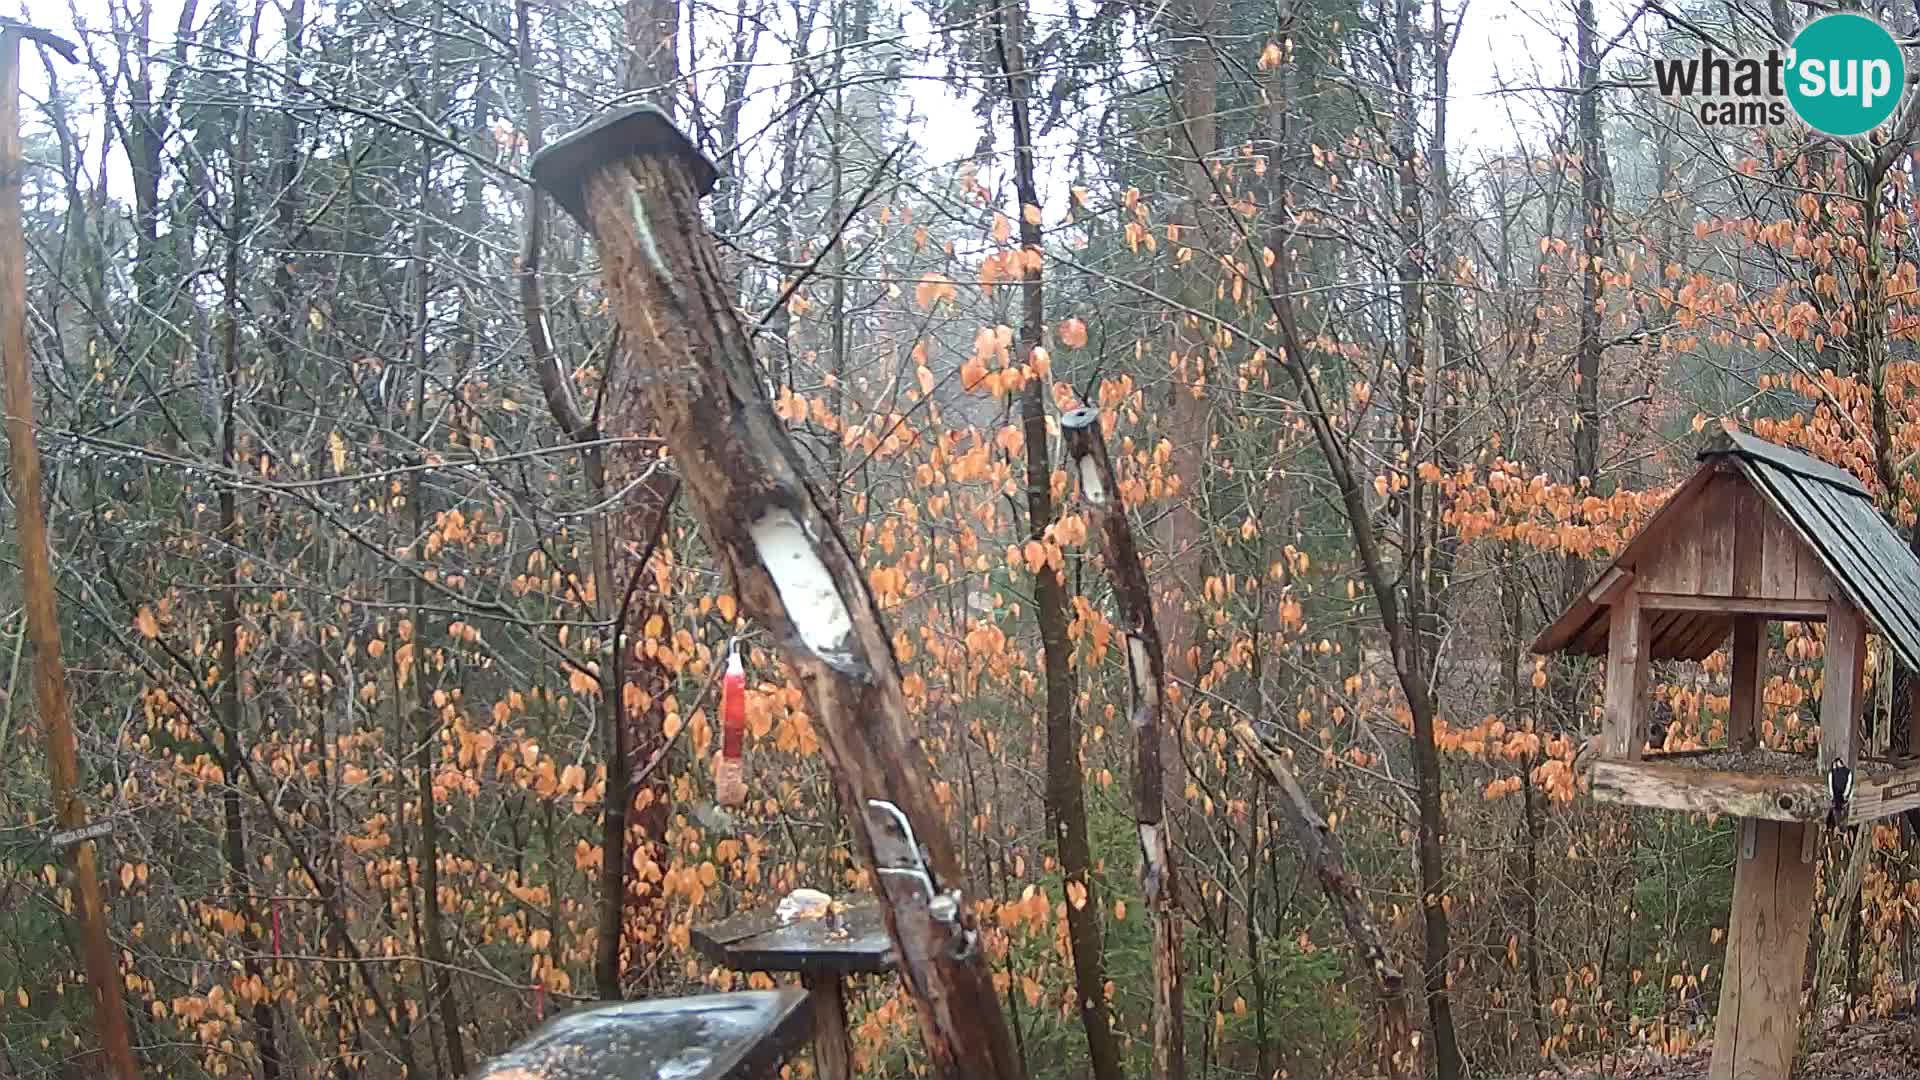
<point>1831,512</point>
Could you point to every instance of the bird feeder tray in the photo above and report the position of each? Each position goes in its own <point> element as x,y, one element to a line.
<point>739,1036</point>
<point>762,941</point>
<point>1790,788</point>
<point>823,952</point>
<point>1759,533</point>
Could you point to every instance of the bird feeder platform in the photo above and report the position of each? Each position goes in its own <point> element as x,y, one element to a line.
<point>1758,783</point>
<point>824,952</point>
<point>1759,533</point>
<point>739,1036</point>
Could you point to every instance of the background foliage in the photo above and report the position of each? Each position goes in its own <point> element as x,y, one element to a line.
<point>326,555</point>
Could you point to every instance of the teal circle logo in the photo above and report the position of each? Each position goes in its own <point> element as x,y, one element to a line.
<point>1846,75</point>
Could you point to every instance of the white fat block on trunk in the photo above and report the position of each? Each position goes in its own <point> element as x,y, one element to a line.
<point>806,587</point>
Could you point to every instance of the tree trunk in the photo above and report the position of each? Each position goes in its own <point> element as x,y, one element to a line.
<point>443,1006</point>
<point>36,581</point>
<point>1066,793</point>
<point>635,182</point>
<point>1146,666</point>
<point>1414,423</point>
<point>653,49</point>
<point>232,743</point>
<point>1399,1055</point>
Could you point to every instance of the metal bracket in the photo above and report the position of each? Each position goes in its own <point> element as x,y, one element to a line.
<point>900,855</point>
<point>897,852</point>
<point>1749,838</point>
<point>1809,841</point>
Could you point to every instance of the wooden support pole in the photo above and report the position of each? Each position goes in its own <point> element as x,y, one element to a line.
<point>1757,1030</point>
<point>1625,723</point>
<point>36,570</point>
<point>832,1039</point>
<point>1749,681</point>
<point>1840,685</point>
<point>635,181</point>
<point>1146,663</point>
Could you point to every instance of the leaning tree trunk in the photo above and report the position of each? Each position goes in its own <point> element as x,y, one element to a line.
<point>635,181</point>
<point>1322,850</point>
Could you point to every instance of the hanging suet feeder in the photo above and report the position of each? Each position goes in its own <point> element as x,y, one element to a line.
<point>730,772</point>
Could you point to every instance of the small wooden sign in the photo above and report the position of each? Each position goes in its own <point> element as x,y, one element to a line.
<point>1900,790</point>
<point>82,834</point>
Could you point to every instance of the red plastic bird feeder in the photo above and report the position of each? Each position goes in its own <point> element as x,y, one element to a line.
<point>729,773</point>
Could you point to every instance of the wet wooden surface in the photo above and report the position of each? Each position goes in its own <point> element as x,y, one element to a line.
<point>738,1036</point>
<point>760,941</point>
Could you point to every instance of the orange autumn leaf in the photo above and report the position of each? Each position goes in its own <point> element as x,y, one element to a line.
<point>932,289</point>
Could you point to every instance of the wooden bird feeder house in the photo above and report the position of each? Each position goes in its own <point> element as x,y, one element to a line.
<point>1759,534</point>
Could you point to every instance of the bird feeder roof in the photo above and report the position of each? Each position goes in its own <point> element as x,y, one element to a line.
<point>1826,508</point>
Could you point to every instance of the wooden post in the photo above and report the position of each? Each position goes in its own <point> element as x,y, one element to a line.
<point>832,1040</point>
<point>1757,1030</point>
<point>1840,684</point>
<point>635,182</point>
<point>1749,681</point>
<point>36,567</point>
<point>1146,663</point>
<point>1840,740</point>
<point>1627,656</point>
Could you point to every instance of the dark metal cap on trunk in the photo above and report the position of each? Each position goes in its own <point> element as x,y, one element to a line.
<point>638,131</point>
<point>1079,419</point>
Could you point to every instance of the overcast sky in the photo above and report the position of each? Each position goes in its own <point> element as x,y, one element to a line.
<point>1503,44</point>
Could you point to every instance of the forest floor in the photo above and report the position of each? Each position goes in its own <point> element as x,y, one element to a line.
<point>1868,1050</point>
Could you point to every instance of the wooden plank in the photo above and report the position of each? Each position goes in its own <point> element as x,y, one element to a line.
<point>1782,457</point>
<point>1704,636</point>
<point>1661,626</point>
<point>1873,566</point>
<point>1749,681</point>
<point>1626,702</point>
<point>1783,608</point>
<point>1758,1026</point>
<point>853,943</point>
<point>1606,590</point>
<point>1840,685</point>
<point>1882,579</point>
<point>1675,568</point>
<point>1591,640</point>
<point>1811,576</point>
<point>1747,516</point>
<point>1895,794</point>
<point>1688,789</point>
<point>1890,596</point>
<point>747,1033</point>
<point>1716,530</point>
<point>1781,553</point>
